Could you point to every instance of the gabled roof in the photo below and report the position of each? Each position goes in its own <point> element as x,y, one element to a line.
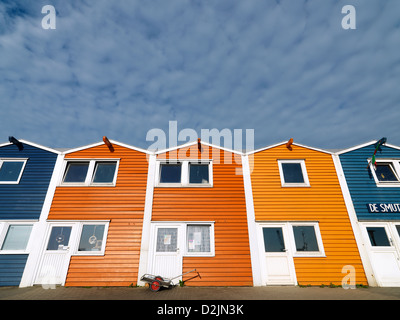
<point>188,144</point>
<point>365,145</point>
<point>285,142</point>
<point>112,142</point>
<point>33,145</point>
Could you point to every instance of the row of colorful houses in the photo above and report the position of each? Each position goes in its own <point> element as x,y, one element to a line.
<point>287,214</point>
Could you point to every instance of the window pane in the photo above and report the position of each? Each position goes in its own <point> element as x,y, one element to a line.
<point>17,237</point>
<point>198,173</point>
<point>292,173</point>
<point>198,239</point>
<point>305,238</point>
<point>59,237</point>
<point>170,173</point>
<point>273,240</point>
<point>10,170</point>
<point>384,172</point>
<point>91,238</point>
<point>167,239</point>
<point>104,172</point>
<point>76,172</point>
<point>378,237</point>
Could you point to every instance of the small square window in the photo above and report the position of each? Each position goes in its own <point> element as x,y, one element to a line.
<point>10,171</point>
<point>198,239</point>
<point>17,237</point>
<point>170,173</point>
<point>293,173</point>
<point>305,238</point>
<point>385,173</point>
<point>104,172</point>
<point>91,238</point>
<point>76,172</point>
<point>198,173</point>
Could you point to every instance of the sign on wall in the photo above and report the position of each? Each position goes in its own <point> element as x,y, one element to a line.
<point>383,207</point>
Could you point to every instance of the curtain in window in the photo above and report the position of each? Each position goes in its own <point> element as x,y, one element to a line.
<point>167,239</point>
<point>198,238</point>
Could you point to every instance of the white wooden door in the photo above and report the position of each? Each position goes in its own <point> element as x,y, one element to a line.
<point>54,263</point>
<point>166,251</point>
<point>383,244</point>
<point>276,256</point>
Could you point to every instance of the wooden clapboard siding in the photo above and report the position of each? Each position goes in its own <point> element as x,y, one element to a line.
<point>123,205</point>
<point>322,201</point>
<point>223,203</point>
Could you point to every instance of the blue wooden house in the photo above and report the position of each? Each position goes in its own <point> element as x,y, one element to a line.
<point>26,170</point>
<point>370,179</point>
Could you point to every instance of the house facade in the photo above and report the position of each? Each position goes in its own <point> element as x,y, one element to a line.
<point>92,233</point>
<point>371,180</point>
<point>26,170</point>
<point>302,233</point>
<point>197,217</point>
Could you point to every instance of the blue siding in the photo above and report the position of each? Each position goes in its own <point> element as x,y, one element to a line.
<point>25,200</point>
<point>11,269</point>
<point>362,186</point>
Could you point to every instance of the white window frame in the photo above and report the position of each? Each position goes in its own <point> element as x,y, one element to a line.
<point>4,226</point>
<point>185,173</point>
<point>395,164</point>
<point>320,253</point>
<point>90,173</point>
<point>212,240</point>
<point>76,252</point>
<point>24,160</point>
<point>302,163</point>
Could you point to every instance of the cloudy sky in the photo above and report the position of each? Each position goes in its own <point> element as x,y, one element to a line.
<point>284,68</point>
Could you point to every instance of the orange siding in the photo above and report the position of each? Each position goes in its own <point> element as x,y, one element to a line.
<point>322,201</point>
<point>223,203</point>
<point>123,205</point>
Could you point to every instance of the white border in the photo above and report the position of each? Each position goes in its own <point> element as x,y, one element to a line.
<point>90,173</point>
<point>251,224</point>
<point>395,168</point>
<point>4,227</point>
<point>24,160</point>
<point>284,184</point>
<point>354,222</point>
<point>184,173</point>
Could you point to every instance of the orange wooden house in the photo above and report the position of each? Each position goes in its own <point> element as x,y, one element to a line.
<point>94,226</point>
<point>197,218</point>
<point>302,231</point>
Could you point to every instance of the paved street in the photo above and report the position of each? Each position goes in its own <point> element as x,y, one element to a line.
<point>199,293</point>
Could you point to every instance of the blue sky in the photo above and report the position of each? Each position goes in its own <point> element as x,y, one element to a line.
<point>285,68</point>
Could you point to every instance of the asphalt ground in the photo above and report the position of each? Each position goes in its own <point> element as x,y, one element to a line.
<point>200,302</point>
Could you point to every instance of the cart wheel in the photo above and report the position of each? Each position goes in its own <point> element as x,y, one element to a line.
<point>155,285</point>
<point>159,278</point>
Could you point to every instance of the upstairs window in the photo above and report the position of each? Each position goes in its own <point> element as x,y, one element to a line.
<point>293,173</point>
<point>76,172</point>
<point>386,173</point>
<point>11,171</point>
<point>90,173</point>
<point>170,173</point>
<point>199,173</point>
<point>187,173</point>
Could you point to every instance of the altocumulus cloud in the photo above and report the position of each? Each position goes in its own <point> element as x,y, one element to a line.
<point>120,68</point>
